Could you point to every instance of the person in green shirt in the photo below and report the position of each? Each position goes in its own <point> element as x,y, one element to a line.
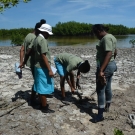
<point>27,41</point>
<point>29,60</point>
<point>65,64</point>
<point>106,66</point>
<point>43,75</point>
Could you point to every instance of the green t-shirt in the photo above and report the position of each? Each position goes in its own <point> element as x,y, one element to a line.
<point>70,61</point>
<point>107,43</point>
<point>41,46</point>
<point>27,41</point>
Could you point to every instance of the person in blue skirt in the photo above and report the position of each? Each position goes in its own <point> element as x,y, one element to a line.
<point>65,64</point>
<point>43,75</point>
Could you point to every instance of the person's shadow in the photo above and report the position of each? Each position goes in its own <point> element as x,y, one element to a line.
<point>84,104</point>
<point>22,95</point>
<point>26,95</point>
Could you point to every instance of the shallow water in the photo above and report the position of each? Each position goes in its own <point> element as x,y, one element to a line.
<point>123,41</point>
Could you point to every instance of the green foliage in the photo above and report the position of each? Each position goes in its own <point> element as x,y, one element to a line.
<point>117,29</point>
<point>72,28</point>
<point>16,35</point>
<point>4,4</point>
<point>132,41</point>
<point>131,30</point>
<point>118,132</point>
<point>17,39</point>
<point>82,29</point>
<point>8,33</point>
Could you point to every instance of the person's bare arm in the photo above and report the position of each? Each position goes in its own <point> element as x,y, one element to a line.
<point>115,53</point>
<point>25,58</point>
<point>106,60</point>
<point>21,54</point>
<point>47,65</point>
<point>77,81</point>
<point>27,55</point>
<point>70,81</point>
<point>101,75</point>
<point>62,83</point>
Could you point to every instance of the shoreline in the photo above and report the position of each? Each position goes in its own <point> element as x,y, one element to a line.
<point>76,46</point>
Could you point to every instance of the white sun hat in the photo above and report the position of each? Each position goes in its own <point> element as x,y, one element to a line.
<point>46,28</point>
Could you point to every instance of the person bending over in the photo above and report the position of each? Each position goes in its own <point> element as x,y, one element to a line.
<point>65,64</point>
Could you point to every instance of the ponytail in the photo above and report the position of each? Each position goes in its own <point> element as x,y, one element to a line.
<point>42,21</point>
<point>38,25</point>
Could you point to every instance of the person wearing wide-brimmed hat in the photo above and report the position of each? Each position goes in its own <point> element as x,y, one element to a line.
<point>43,77</point>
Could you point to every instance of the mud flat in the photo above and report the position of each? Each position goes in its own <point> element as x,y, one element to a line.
<point>18,118</point>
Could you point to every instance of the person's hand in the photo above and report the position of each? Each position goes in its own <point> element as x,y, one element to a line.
<point>21,66</point>
<point>72,89</point>
<point>101,74</point>
<point>51,73</point>
<point>101,78</point>
<point>77,84</point>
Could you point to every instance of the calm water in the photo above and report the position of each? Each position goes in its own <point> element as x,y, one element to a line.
<point>123,41</point>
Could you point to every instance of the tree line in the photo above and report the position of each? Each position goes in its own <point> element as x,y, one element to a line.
<point>71,28</point>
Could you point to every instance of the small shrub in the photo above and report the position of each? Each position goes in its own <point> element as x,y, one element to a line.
<point>16,39</point>
<point>132,41</point>
<point>118,132</point>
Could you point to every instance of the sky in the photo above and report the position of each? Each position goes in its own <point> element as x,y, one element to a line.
<point>83,11</point>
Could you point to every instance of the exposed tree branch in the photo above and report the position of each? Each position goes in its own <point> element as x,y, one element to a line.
<point>4,4</point>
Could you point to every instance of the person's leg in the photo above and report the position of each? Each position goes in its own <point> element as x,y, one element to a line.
<point>111,68</point>
<point>33,93</point>
<point>43,100</point>
<point>101,102</point>
<point>70,81</point>
<point>45,107</point>
<point>61,71</point>
<point>62,84</point>
<point>100,89</point>
<point>108,94</point>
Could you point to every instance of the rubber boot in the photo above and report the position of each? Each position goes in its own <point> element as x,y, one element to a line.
<point>107,107</point>
<point>99,117</point>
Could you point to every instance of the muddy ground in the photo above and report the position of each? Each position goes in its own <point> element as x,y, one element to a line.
<point>18,118</point>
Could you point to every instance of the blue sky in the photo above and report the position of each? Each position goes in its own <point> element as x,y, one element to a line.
<point>54,11</point>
